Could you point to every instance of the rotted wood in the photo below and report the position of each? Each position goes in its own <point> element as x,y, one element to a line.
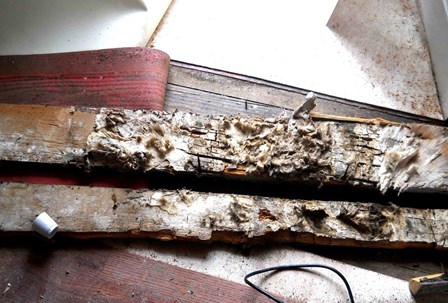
<point>187,215</point>
<point>374,153</point>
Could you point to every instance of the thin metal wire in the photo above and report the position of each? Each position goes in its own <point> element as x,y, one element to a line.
<point>291,267</point>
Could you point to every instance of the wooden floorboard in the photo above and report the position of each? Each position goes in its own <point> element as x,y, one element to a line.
<point>225,87</point>
<point>188,99</point>
<point>87,272</point>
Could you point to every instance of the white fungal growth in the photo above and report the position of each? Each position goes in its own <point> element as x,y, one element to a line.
<point>403,157</point>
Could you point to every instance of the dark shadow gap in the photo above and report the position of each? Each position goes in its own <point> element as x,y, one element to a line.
<point>102,177</point>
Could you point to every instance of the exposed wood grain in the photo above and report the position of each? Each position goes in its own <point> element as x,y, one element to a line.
<point>399,157</point>
<point>43,134</point>
<point>189,99</point>
<point>133,77</point>
<point>191,84</point>
<point>406,157</point>
<point>188,215</point>
<point>83,272</point>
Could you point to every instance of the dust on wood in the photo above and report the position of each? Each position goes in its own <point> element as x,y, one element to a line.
<point>188,215</point>
<point>44,134</point>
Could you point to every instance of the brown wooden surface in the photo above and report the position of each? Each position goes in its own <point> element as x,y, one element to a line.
<point>185,96</point>
<point>133,77</point>
<point>40,271</point>
<point>210,91</point>
<point>57,134</point>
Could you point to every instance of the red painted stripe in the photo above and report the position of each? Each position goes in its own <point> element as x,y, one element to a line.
<point>133,78</point>
<point>57,175</point>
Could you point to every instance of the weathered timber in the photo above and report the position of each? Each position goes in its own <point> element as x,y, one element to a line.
<point>404,157</point>
<point>187,215</point>
<point>211,91</point>
<point>44,134</point>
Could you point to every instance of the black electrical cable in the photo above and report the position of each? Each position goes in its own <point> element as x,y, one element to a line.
<point>290,267</point>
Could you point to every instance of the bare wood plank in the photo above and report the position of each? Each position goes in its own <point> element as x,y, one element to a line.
<point>406,157</point>
<point>194,82</point>
<point>179,98</point>
<point>43,134</point>
<point>187,215</point>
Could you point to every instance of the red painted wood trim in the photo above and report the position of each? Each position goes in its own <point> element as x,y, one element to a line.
<point>133,78</point>
<point>92,273</point>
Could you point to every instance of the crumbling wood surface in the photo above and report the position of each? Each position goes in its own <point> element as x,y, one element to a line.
<point>187,215</point>
<point>407,157</point>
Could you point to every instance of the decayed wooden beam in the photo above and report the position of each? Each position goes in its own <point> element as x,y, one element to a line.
<point>407,157</point>
<point>182,214</point>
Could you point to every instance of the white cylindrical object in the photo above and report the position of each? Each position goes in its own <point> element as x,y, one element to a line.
<point>45,225</point>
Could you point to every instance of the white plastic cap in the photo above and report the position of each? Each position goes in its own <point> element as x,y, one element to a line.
<point>45,225</point>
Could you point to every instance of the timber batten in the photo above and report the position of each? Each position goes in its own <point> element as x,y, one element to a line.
<point>187,215</point>
<point>399,157</point>
<point>407,157</point>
